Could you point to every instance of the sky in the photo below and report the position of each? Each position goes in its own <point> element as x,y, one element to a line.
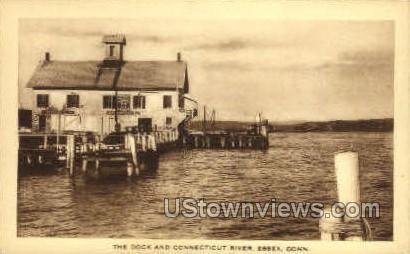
<point>286,70</point>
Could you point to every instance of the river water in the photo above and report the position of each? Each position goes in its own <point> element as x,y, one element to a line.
<point>296,167</point>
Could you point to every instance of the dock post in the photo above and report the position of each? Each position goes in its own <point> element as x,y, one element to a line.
<point>240,142</point>
<point>71,153</point>
<point>152,142</point>
<point>130,169</point>
<point>45,142</point>
<point>328,226</point>
<point>97,166</point>
<point>144,142</point>
<point>84,144</point>
<point>97,143</point>
<point>222,141</point>
<point>233,142</point>
<point>196,141</point>
<point>350,225</point>
<point>84,165</point>
<point>348,186</point>
<point>133,149</point>
<point>208,141</point>
<point>67,152</point>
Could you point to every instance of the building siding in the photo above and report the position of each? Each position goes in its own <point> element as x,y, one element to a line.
<point>92,117</point>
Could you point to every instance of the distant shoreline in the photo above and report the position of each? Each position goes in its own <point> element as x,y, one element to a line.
<point>367,125</point>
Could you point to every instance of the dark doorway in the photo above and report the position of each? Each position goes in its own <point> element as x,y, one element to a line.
<point>145,124</point>
<point>42,122</point>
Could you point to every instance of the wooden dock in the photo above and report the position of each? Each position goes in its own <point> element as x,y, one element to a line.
<point>130,151</point>
<point>256,137</point>
<point>226,140</point>
<point>130,148</point>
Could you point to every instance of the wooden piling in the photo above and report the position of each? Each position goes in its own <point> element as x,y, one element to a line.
<point>144,142</point>
<point>133,149</point>
<point>349,225</point>
<point>152,142</point>
<point>223,142</point>
<point>84,165</point>
<point>68,151</point>
<point>71,153</point>
<point>328,224</point>
<point>45,144</point>
<point>130,169</point>
<point>348,184</point>
<point>208,141</point>
<point>196,143</point>
<point>347,176</point>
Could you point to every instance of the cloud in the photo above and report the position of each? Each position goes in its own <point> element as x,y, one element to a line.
<point>77,29</point>
<point>232,44</point>
<point>238,44</point>
<point>362,59</point>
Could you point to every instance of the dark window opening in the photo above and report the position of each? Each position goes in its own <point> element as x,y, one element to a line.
<point>181,101</point>
<point>139,101</point>
<point>73,101</point>
<point>167,103</point>
<point>42,122</point>
<point>42,100</point>
<point>145,124</point>
<point>109,101</point>
<point>168,120</point>
<point>112,50</point>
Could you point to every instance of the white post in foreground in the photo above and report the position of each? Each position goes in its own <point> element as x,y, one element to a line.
<point>347,176</point>
<point>348,184</point>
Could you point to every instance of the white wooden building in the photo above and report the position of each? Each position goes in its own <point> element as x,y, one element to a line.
<point>89,95</point>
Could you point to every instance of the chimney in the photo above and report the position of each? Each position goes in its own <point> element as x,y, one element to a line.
<point>179,56</point>
<point>47,57</point>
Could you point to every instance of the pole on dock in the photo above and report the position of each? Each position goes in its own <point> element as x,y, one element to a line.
<point>208,141</point>
<point>222,141</point>
<point>144,142</point>
<point>348,184</point>
<point>196,141</point>
<point>328,225</point>
<point>58,132</point>
<point>84,165</point>
<point>133,149</point>
<point>67,151</point>
<point>349,225</point>
<point>45,142</point>
<point>70,153</point>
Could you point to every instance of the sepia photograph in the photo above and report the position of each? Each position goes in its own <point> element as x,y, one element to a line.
<point>190,132</point>
<point>117,115</point>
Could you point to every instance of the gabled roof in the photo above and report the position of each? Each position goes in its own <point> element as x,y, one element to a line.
<point>133,75</point>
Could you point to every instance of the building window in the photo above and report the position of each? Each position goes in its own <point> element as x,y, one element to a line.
<point>112,50</point>
<point>42,100</point>
<point>181,101</point>
<point>167,103</point>
<point>73,101</point>
<point>139,101</point>
<point>109,101</point>
<point>123,102</point>
<point>168,120</point>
